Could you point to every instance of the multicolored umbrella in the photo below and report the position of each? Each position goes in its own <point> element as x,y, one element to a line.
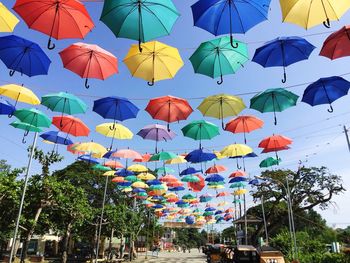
<point>244,124</point>
<point>326,91</point>
<point>56,18</point>
<point>89,61</point>
<point>142,20</point>
<point>217,58</point>
<point>23,56</point>
<point>200,130</point>
<point>8,21</point>
<point>19,94</point>
<point>282,52</point>
<point>337,45</point>
<point>155,62</point>
<point>273,100</point>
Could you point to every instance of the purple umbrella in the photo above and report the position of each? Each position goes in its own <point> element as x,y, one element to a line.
<point>156,133</point>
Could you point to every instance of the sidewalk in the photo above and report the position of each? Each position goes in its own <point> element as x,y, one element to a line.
<point>174,257</point>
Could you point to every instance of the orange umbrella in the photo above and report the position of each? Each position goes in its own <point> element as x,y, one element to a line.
<point>244,124</point>
<point>238,174</point>
<point>113,164</point>
<point>197,187</point>
<point>175,184</point>
<point>145,158</point>
<point>216,169</point>
<point>118,179</point>
<point>222,194</point>
<point>275,143</point>
<point>168,179</point>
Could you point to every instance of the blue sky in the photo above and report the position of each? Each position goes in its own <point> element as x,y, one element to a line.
<point>317,134</point>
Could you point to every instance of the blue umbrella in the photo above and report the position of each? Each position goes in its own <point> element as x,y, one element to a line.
<point>158,206</point>
<point>138,190</point>
<point>249,155</point>
<point>88,158</point>
<point>205,198</point>
<point>125,184</point>
<point>214,178</point>
<point>115,108</point>
<point>221,17</point>
<point>198,156</point>
<point>56,137</point>
<point>189,170</point>
<point>237,179</point>
<point>154,182</point>
<point>177,189</point>
<point>24,56</point>
<point>124,172</point>
<point>326,91</point>
<point>219,212</point>
<point>282,52</point>
<point>190,220</point>
<point>181,203</point>
<point>6,108</point>
<point>210,209</point>
<point>109,155</point>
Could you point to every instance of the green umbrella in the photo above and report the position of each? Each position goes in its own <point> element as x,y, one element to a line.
<point>33,117</point>
<point>64,102</point>
<point>208,213</point>
<point>238,185</point>
<point>190,179</point>
<point>268,162</point>
<point>101,167</point>
<point>140,20</point>
<point>188,197</point>
<point>237,201</point>
<point>132,178</point>
<point>200,130</point>
<point>163,156</point>
<point>217,58</point>
<point>273,100</point>
<point>26,127</point>
<point>156,187</point>
<point>164,170</point>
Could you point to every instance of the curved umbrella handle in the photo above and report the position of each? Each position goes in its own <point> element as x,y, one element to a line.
<point>112,127</point>
<point>50,45</point>
<point>234,45</point>
<point>150,83</point>
<point>219,82</point>
<point>10,115</point>
<point>24,140</point>
<point>327,23</point>
<point>238,166</point>
<point>275,122</point>
<point>87,86</point>
<point>330,110</point>
<point>284,80</point>
<point>12,72</point>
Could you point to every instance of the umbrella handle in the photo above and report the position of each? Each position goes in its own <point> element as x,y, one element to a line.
<point>284,80</point>
<point>150,83</point>
<point>12,72</point>
<point>50,45</point>
<point>10,115</point>
<point>234,45</point>
<point>24,140</point>
<point>140,48</point>
<point>219,82</point>
<point>327,23</point>
<point>112,127</point>
<point>330,110</point>
<point>275,122</point>
<point>87,86</point>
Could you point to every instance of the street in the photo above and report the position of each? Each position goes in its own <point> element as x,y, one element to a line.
<point>175,257</point>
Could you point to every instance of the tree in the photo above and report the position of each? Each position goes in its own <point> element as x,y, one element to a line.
<point>229,233</point>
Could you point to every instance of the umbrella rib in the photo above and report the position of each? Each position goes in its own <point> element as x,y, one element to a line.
<point>150,11</point>
<point>140,64</point>
<point>126,16</point>
<point>75,22</point>
<point>50,6</point>
<point>219,18</point>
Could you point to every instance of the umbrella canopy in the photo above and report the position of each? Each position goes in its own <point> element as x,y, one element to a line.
<point>146,176</point>
<point>8,21</point>
<point>238,185</point>
<point>168,179</point>
<point>113,164</point>
<point>114,131</point>
<point>26,127</point>
<point>56,137</point>
<point>127,154</point>
<point>200,130</point>
<point>96,149</point>
<point>179,159</point>
<point>238,180</point>
<point>198,156</point>
<point>163,156</point>
<point>197,186</point>
<point>164,170</point>
<point>58,19</point>
<point>33,117</point>
<point>273,100</point>
<point>145,158</point>
<point>88,158</point>
<point>234,150</point>
<point>216,169</point>
<point>191,178</point>
<point>23,56</point>
<point>156,133</point>
<point>89,61</point>
<point>237,174</point>
<point>189,170</point>
<point>268,162</point>
<point>124,172</point>
<point>169,109</point>
<point>244,124</point>
<point>221,17</point>
<point>19,94</point>
<point>137,168</point>
<point>337,45</point>
<point>71,125</point>
<point>309,13</point>
<point>155,62</point>
<point>326,91</point>
<point>217,58</point>
<point>275,143</point>
<point>221,106</point>
<point>6,108</point>
<point>214,178</point>
<point>282,52</point>
<point>142,20</point>
<point>205,198</point>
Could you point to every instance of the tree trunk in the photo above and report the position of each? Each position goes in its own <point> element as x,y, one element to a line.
<point>121,251</point>
<point>66,242</point>
<point>110,244</point>
<point>30,234</point>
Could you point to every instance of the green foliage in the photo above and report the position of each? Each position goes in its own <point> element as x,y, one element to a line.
<point>190,237</point>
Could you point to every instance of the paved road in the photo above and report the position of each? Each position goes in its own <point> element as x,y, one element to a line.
<point>175,257</point>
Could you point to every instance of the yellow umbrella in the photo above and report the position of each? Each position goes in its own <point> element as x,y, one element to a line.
<point>146,176</point>
<point>19,93</point>
<point>96,149</point>
<point>141,185</point>
<point>216,186</point>
<point>309,13</point>
<point>236,150</point>
<point>219,155</point>
<point>8,21</point>
<point>127,190</point>
<point>221,106</point>
<point>109,173</point>
<point>157,61</point>
<point>115,131</point>
<point>240,192</point>
<point>137,168</point>
<point>177,160</point>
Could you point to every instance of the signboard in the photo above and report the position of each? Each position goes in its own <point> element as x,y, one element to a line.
<point>181,225</point>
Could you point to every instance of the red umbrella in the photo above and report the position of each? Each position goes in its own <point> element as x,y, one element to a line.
<point>168,179</point>
<point>56,18</point>
<point>238,174</point>
<point>71,125</point>
<point>216,169</point>
<point>275,149</point>
<point>169,109</point>
<point>145,158</point>
<point>89,61</point>
<point>197,187</point>
<point>337,45</point>
<point>175,184</point>
<point>222,194</point>
<point>275,143</point>
<point>244,124</point>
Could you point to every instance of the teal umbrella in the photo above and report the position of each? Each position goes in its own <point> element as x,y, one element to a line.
<point>163,156</point>
<point>200,130</point>
<point>273,100</point>
<point>268,162</point>
<point>191,178</point>
<point>164,170</point>
<point>141,20</point>
<point>101,167</point>
<point>217,58</point>
<point>26,127</point>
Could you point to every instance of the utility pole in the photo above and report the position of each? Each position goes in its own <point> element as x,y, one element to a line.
<point>347,136</point>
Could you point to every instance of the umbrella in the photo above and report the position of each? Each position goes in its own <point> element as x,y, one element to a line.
<point>145,158</point>
<point>164,170</point>
<point>8,21</point>
<point>309,13</point>
<point>189,170</point>
<point>19,94</point>
<point>337,45</point>
<point>269,162</point>
<point>275,143</point>
<point>273,100</point>
<point>24,56</point>
<point>26,127</point>
<point>124,172</point>
<point>221,17</point>
<point>238,174</point>
<point>56,137</point>
<point>200,130</point>
<point>113,164</point>
<point>163,156</point>
<point>205,198</point>
<point>198,156</point>
<point>238,179</point>
<point>137,168</point>
<point>282,52</point>
<point>118,131</point>
<point>238,185</point>
<point>146,176</point>
<point>95,149</point>
<point>217,58</point>
<point>71,125</point>
<point>6,108</point>
<point>142,20</point>
<point>326,91</point>
<point>214,178</point>
<point>89,61</point>
<point>197,186</point>
<point>155,62</point>
<point>88,158</point>
<point>168,179</point>
<point>115,108</point>
<point>131,178</point>
<point>156,133</point>
<point>216,169</point>
<point>59,19</point>
<point>127,154</point>
<point>64,102</point>
<point>244,124</point>
<point>191,178</point>
<point>221,106</point>
<point>169,109</point>
<point>236,150</point>
<point>179,159</point>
